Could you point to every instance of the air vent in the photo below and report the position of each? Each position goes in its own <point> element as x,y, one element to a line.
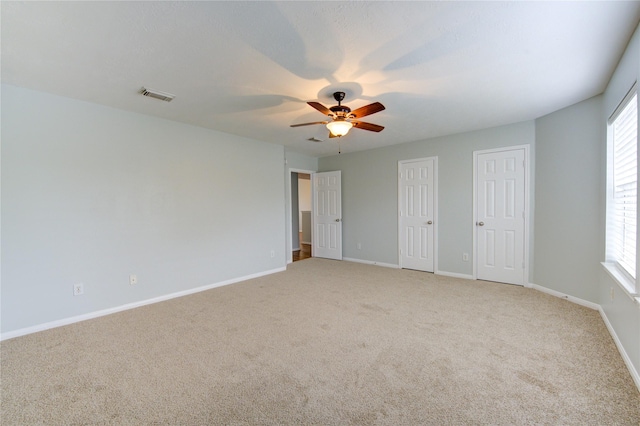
<point>167,97</point>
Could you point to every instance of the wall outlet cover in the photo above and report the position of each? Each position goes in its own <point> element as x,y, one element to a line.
<point>78,289</point>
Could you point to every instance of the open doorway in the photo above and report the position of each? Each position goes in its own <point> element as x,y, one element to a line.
<point>301,241</point>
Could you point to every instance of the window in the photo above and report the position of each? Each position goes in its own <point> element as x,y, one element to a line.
<point>622,189</point>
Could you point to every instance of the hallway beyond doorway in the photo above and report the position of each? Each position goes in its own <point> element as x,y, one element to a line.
<point>304,252</point>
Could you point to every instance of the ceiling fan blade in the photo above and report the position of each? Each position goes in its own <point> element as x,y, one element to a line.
<point>323,109</point>
<point>367,126</point>
<point>309,124</point>
<point>367,110</point>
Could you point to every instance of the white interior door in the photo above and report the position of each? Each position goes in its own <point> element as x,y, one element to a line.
<point>327,217</point>
<point>417,214</point>
<point>500,216</point>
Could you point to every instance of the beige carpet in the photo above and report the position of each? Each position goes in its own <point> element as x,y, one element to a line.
<point>327,343</point>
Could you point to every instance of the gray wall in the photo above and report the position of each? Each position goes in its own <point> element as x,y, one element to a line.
<point>91,194</point>
<point>300,161</point>
<point>622,312</point>
<point>370,193</point>
<point>569,237</point>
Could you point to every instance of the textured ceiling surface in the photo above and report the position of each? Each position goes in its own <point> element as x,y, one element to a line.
<point>248,68</point>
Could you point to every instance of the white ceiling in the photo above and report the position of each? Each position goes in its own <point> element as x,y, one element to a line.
<point>248,68</point>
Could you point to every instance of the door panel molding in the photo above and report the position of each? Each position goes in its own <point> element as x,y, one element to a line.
<point>507,192</point>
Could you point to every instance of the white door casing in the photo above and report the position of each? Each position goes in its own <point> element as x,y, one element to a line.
<point>501,215</point>
<point>327,215</point>
<point>289,244</point>
<point>417,213</point>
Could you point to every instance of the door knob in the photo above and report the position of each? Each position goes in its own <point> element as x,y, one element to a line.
<point>480,223</point>
<point>430,222</point>
<point>337,220</point>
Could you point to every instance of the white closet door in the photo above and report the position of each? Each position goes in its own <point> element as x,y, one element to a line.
<point>417,214</point>
<point>327,234</point>
<point>500,216</point>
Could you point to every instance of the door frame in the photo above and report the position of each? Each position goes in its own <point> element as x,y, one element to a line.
<point>289,242</point>
<point>527,205</point>
<point>435,208</point>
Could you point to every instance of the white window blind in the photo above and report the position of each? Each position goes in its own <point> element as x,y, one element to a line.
<point>624,127</point>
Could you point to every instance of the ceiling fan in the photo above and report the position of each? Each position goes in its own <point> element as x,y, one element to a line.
<point>343,119</point>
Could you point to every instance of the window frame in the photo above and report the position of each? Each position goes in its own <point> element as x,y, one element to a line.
<point>617,270</point>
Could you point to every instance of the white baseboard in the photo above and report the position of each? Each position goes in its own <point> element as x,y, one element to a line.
<point>370,262</point>
<point>634,373</point>
<point>561,295</point>
<point>454,275</point>
<point>109,311</point>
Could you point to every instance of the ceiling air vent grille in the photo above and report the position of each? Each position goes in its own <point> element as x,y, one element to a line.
<point>167,97</point>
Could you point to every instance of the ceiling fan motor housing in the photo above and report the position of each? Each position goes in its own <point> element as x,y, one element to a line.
<point>340,110</point>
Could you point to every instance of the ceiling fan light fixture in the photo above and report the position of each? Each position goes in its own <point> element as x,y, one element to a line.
<point>339,127</point>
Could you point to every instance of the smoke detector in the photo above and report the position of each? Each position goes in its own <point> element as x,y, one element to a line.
<point>163,96</point>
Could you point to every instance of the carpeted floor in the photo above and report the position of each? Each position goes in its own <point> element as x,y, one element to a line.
<point>330,343</point>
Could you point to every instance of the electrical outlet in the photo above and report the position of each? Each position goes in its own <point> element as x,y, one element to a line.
<point>133,279</point>
<point>465,257</point>
<point>359,246</point>
<point>78,289</point>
